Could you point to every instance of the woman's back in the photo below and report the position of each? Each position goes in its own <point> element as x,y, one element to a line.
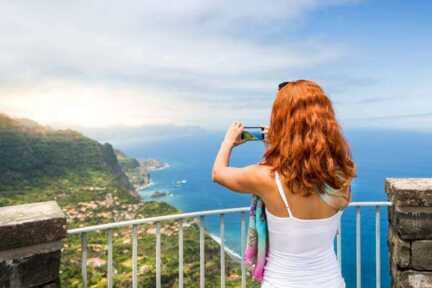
<point>301,251</point>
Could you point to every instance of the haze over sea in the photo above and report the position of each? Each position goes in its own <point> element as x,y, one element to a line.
<point>377,153</point>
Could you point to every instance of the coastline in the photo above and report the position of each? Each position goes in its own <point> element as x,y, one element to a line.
<point>163,167</point>
<point>154,164</point>
<point>234,255</point>
<point>145,186</point>
<point>230,252</point>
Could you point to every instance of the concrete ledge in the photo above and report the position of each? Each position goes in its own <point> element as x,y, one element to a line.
<point>31,224</point>
<point>409,192</point>
<point>30,245</point>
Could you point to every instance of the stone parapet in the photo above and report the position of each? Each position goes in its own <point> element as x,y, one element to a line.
<point>410,231</point>
<point>30,245</point>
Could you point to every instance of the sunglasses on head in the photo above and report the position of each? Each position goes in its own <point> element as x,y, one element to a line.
<point>283,84</point>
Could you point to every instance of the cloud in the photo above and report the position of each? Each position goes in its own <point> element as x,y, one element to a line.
<point>144,40</point>
<point>99,63</point>
<point>392,117</point>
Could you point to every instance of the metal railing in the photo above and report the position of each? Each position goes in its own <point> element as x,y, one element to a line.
<point>199,216</point>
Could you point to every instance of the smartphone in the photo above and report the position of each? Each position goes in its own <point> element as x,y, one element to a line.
<point>253,133</point>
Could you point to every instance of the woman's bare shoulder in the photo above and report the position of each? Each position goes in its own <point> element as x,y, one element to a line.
<point>263,176</point>
<point>262,171</point>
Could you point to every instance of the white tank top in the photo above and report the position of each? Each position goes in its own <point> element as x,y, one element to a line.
<point>301,253</point>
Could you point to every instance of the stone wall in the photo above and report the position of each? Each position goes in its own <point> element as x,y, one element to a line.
<point>410,232</point>
<point>30,245</point>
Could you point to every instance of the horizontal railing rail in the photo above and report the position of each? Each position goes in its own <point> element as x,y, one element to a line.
<point>199,216</point>
<point>152,220</point>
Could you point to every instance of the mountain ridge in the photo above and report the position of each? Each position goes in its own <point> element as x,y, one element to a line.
<point>33,154</point>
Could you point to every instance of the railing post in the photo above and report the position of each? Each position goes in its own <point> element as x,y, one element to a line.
<point>410,231</point>
<point>158,256</point>
<point>110,259</point>
<point>222,250</point>
<point>180,234</point>
<point>134,256</point>
<point>377,247</point>
<point>242,245</point>
<point>202,251</point>
<point>358,247</point>
<point>83,237</point>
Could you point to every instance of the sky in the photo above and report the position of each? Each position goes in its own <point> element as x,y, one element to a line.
<point>207,63</point>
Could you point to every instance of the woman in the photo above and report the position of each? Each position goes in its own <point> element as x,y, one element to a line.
<point>304,181</point>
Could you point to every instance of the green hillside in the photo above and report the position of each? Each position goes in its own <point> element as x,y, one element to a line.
<point>125,161</point>
<point>35,158</point>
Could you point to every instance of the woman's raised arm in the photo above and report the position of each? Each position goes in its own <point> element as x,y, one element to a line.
<point>243,180</point>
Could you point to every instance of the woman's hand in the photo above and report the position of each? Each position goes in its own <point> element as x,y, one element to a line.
<point>233,134</point>
<point>243,180</point>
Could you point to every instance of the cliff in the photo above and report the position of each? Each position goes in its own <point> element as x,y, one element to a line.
<point>35,156</point>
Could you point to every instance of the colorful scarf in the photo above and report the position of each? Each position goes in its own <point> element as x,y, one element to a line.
<point>257,239</point>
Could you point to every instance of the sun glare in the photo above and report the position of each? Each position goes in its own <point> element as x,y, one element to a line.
<point>65,104</point>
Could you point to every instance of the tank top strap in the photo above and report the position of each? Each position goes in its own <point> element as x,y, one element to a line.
<point>282,192</point>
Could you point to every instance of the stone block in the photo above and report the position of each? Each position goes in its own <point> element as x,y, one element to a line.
<point>414,279</point>
<point>412,223</point>
<point>34,271</point>
<point>400,250</point>
<point>55,284</point>
<point>5,272</point>
<point>394,273</point>
<point>30,224</point>
<point>422,255</point>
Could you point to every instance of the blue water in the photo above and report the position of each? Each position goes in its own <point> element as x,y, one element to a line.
<point>378,154</point>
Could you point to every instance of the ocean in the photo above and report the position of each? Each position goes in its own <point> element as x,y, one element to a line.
<point>377,153</point>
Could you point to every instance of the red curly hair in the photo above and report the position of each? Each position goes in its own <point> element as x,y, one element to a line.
<point>305,142</point>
